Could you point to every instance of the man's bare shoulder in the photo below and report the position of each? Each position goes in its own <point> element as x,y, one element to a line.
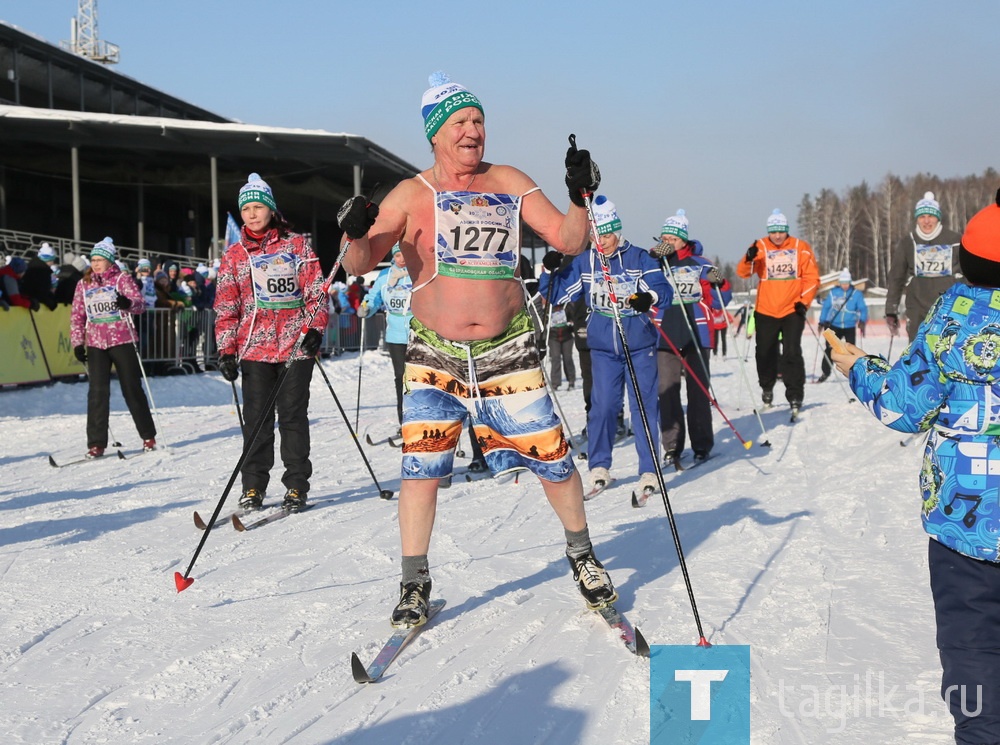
<point>404,191</point>
<point>509,179</point>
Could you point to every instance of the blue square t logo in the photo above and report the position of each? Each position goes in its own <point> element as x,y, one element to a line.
<point>699,695</point>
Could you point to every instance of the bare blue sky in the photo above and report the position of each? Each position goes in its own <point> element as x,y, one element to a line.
<point>725,109</point>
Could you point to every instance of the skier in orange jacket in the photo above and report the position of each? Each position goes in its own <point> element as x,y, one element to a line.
<point>789,279</point>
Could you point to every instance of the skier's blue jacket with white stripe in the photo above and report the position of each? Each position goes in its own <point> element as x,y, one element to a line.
<point>632,270</point>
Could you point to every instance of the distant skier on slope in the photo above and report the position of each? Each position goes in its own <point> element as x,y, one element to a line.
<point>789,280</point>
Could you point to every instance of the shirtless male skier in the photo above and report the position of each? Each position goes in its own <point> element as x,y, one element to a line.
<point>472,347</point>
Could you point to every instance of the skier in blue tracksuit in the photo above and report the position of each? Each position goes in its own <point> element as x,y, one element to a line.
<point>843,309</point>
<point>638,284</point>
<point>948,382</point>
<point>392,289</point>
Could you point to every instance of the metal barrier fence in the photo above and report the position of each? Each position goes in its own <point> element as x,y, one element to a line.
<point>343,332</point>
<point>172,341</point>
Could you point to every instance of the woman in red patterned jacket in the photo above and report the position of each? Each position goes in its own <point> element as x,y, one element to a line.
<point>101,336</point>
<point>268,285</point>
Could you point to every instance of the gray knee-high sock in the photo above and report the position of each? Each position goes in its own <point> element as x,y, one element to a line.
<point>578,543</point>
<point>415,569</point>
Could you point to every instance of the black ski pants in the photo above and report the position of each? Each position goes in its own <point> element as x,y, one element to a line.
<point>397,353</point>
<point>126,363</point>
<point>292,408</point>
<point>779,351</point>
<point>671,369</point>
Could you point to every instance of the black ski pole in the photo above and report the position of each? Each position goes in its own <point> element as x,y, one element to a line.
<point>747,444</point>
<point>236,400</point>
<point>616,314</point>
<point>384,493</point>
<point>819,341</point>
<point>183,581</point>
<point>361,357</point>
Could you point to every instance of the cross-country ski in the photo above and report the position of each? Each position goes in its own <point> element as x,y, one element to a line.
<point>391,649</point>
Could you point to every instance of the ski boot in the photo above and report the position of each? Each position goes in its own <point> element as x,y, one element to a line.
<point>414,601</point>
<point>295,500</point>
<point>252,499</point>
<point>593,581</point>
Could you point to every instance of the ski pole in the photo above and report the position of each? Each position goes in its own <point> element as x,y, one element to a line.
<point>541,365</point>
<point>236,400</point>
<point>765,443</point>
<point>361,357</point>
<point>142,369</point>
<point>747,444</point>
<point>815,360</point>
<point>888,357</point>
<point>183,581</point>
<point>616,315</point>
<point>383,493</point>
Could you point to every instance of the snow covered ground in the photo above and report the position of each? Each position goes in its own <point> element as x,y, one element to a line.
<point>810,551</point>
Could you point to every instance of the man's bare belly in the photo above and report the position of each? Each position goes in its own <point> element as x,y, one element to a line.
<point>467,309</point>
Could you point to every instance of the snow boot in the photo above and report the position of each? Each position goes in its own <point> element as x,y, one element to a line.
<point>149,444</point>
<point>95,452</point>
<point>600,476</point>
<point>767,396</point>
<point>648,481</point>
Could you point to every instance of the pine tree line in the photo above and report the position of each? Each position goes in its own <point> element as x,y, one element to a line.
<point>859,228</point>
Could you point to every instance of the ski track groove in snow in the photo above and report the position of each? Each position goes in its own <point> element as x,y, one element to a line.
<point>810,551</point>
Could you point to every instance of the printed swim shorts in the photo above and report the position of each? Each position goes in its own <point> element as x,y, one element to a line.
<point>499,383</point>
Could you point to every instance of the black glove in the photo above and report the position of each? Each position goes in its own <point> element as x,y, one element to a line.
<point>552,260</point>
<point>640,302</point>
<point>715,276</point>
<point>123,302</point>
<point>892,321</point>
<point>310,342</point>
<point>582,174</point>
<point>80,352</point>
<point>801,309</point>
<point>229,368</point>
<point>823,326</point>
<point>34,304</point>
<point>357,216</point>
<point>752,252</point>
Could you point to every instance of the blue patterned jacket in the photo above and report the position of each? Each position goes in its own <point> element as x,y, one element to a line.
<point>948,381</point>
